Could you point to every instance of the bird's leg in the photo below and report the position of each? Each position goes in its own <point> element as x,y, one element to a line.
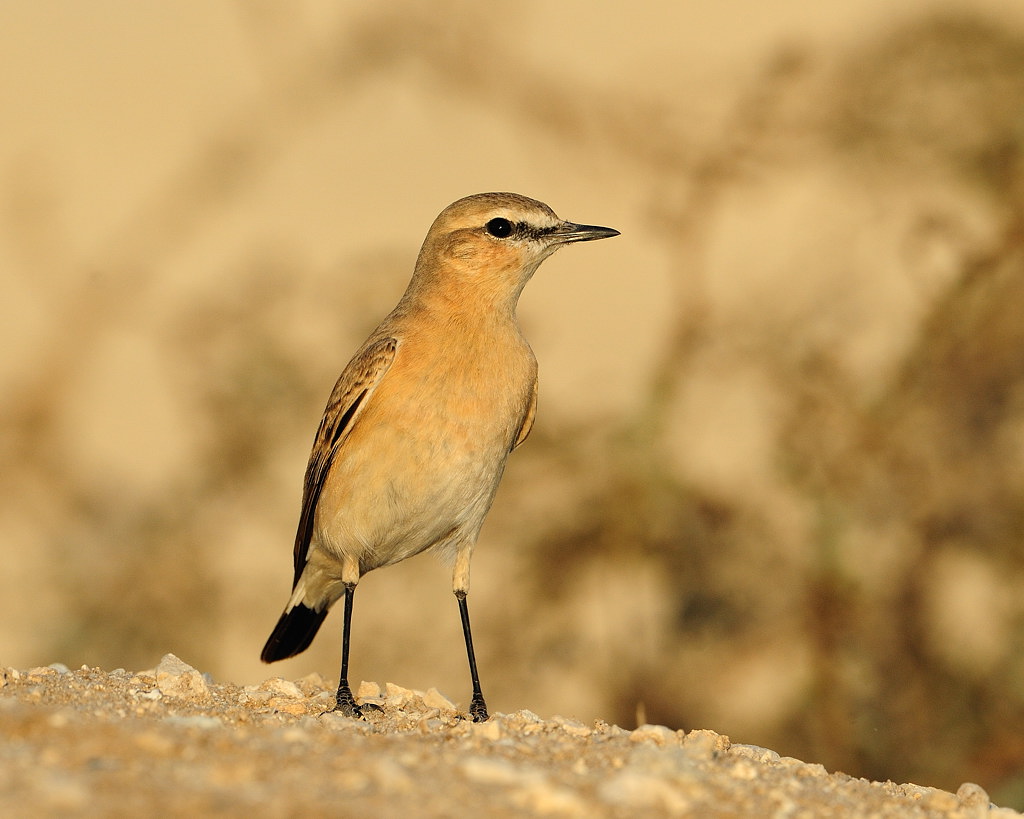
<point>477,706</point>
<point>344,701</point>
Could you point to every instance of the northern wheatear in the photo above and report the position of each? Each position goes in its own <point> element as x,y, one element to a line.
<point>415,436</point>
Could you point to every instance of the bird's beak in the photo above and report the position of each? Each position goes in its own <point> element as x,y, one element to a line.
<point>570,232</point>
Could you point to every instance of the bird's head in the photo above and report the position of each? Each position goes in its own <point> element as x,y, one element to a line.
<point>486,247</point>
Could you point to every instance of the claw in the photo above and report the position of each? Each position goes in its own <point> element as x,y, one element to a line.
<point>346,703</point>
<point>478,710</point>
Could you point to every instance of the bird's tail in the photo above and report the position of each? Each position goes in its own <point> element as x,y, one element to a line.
<point>293,633</point>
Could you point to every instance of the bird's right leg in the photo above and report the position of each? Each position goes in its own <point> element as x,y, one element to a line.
<point>344,701</point>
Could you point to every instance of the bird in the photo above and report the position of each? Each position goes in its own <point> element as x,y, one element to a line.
<point>418,428</point>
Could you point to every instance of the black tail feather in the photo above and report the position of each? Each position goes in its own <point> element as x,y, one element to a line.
<point>293,633</point>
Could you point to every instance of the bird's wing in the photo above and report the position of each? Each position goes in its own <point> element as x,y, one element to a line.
<point>527,425</point>
<point>350,396</point>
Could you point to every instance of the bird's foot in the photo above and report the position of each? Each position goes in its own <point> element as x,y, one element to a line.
<point>478,709</point>
<point>346,704</point>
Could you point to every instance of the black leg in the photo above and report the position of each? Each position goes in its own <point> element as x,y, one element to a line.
<point>344,701</point>
<point>477,707</point>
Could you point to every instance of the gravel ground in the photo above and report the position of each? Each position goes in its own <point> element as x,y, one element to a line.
<point>96,743</point>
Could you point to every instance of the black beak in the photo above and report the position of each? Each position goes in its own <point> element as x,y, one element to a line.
<point>571,232</point>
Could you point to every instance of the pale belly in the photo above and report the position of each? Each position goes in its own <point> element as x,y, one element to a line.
<point>406,484</point>
<point>423,460</point>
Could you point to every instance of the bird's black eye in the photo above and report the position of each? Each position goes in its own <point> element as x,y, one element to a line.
<point>499,227</point>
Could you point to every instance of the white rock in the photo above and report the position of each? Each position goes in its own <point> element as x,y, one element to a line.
<point>435,699</point>
<point>368,691</point>
<point>397,696</point>
<point>971,795</point>
<point>658,734</point>
<point>755,752</point>
<point>41,671</point>
<point>527,715</point>
<point>179,680</point>
<point>703,744</point>
<point>572,726</point>
<point>316,680</point>
<point>282,688</point>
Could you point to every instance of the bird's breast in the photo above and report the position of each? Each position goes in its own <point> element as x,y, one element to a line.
<point>425,456</point>
<point>475,380</point>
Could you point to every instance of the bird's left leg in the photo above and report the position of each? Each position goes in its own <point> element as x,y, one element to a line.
<point>344,701</point>
<point>460,583</point>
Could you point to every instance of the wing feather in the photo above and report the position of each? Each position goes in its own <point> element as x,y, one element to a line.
<point>353,391</point>
<point>531,414</point>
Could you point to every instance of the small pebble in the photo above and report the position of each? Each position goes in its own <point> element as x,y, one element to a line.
<point>435,699</point>
<point>571,726</point>
<point>42,671</point>
<point>287,705</point>
<point>972,796</point>
<point>658,734</point>
<point>754,752</point>
<point>368,691</point>
<point>941,800</point>
<point>179,680</point>
<point>281,688</point>
<point>814,769</point>
<point>313,683</point>
<point>703,744</point>
<point>250,696</point>
<point>396,696</point>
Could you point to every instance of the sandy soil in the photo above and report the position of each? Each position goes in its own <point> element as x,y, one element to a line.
<point>97,743</point>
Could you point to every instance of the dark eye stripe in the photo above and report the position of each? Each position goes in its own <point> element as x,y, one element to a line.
<point>502,228</point>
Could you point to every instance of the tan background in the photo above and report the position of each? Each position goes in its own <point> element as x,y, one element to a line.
<point>775,487</point>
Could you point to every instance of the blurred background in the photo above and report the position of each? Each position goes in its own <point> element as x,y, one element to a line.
<point>776,484</point>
